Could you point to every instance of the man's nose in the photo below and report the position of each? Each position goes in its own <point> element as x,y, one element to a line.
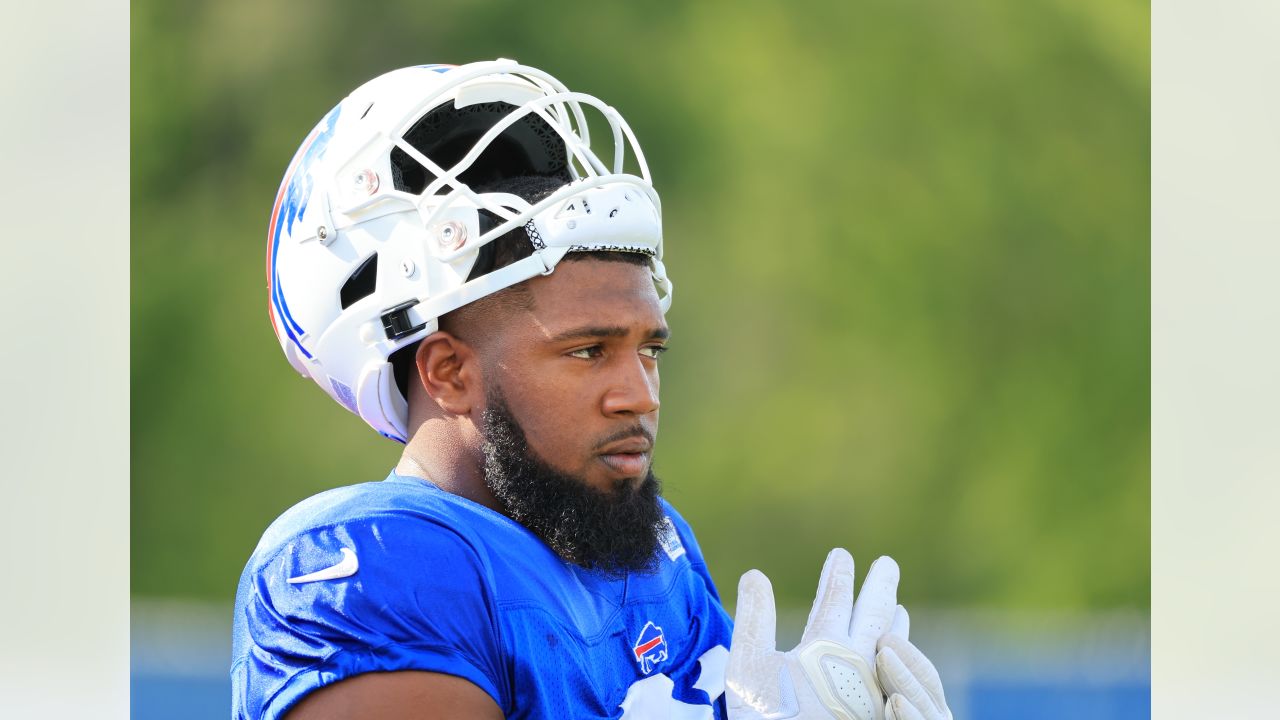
<point>634,390</point>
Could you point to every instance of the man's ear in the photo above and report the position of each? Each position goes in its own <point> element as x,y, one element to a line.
<point>448,370</point>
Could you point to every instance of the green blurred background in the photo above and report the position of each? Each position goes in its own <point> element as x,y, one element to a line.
<point>910,246</point>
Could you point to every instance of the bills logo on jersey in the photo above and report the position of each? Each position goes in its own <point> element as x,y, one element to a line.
<point>650,648</point>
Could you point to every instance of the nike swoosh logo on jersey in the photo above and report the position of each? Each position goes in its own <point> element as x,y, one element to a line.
<point>345,568</point>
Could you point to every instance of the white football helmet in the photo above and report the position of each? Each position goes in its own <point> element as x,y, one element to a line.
<point>376,225</point>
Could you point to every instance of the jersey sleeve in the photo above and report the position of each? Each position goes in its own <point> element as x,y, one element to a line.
<point>419,599</point>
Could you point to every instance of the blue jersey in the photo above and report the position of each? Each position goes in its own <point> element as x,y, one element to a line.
<point>400,575</point>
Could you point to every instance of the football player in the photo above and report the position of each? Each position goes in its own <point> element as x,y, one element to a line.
<point>451,258</point>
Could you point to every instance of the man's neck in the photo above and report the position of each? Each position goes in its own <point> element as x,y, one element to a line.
<point>447,466</point>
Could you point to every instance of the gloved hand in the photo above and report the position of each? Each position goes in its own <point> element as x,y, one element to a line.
<point>832,672</point>
<point>907,676</point>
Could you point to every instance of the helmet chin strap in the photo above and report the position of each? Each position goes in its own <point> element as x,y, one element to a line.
<point>518,271</point>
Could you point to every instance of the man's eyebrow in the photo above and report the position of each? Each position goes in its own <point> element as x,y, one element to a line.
<point>606,331</point>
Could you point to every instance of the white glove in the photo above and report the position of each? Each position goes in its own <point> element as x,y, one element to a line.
<point>831,673</point>
<point>907,676</point>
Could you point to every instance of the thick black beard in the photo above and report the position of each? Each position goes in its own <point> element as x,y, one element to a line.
<point>611,532</point>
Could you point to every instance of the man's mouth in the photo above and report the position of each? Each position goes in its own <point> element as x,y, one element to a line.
<point>627,464</point>
<point>628,457</point>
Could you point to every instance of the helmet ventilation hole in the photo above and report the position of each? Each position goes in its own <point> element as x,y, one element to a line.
<point>361,284</point>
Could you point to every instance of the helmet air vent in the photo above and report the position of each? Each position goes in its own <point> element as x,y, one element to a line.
<point>362,282</point>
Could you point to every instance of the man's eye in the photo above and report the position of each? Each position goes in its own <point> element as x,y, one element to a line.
<point>588,353</point>
<point>653,351</point>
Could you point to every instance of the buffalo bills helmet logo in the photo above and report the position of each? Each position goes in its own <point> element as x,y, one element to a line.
<point>650,648</point>
<point>291,204</point>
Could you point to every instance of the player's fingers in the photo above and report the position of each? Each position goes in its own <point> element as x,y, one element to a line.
<point>899,656</point>
<point>901,623</point>
<point>899,709</point>
<point>752,675</point>
<point>755,621</point>
<point>873,612</point>
<point>833,604</point>
<point>896,679</point>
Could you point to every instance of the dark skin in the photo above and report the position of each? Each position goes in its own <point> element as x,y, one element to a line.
<point>575,355</point>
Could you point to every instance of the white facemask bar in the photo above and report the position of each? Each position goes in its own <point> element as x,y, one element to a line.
<point>559,108</point>
<point>459,76</point>
<point>571,126</point>
<point>623,137</point>
<point>462,74</point>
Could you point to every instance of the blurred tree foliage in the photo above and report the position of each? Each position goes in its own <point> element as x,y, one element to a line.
<point>910,246</point>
